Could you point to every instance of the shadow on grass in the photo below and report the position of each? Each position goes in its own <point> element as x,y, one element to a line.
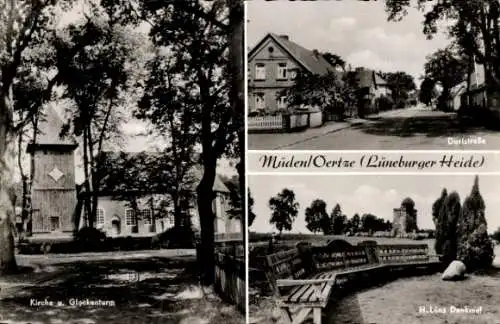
<point>136,291</point>
<point>430,126</point>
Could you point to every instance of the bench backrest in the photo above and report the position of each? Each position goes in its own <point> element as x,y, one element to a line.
<point>402,253</point>
<point>286,265</point>
<point>327,258</point>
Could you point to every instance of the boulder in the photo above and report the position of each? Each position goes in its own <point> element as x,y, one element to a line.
<point>455,271</point>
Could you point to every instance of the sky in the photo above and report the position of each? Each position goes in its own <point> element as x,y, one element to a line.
<point>376,194</point>
<point>358,31</point>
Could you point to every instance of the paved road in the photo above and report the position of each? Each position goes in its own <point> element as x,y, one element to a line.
<point>415,128</point>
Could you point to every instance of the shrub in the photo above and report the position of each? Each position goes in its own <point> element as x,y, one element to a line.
<point>175,238</point>
<point>477,251</point>
<point>90,239</point>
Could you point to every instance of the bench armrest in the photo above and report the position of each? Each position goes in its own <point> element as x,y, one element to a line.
<point>302,282</point>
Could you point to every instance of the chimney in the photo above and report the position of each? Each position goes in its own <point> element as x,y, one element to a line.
<point>285,37</point>
<point>315,52</point>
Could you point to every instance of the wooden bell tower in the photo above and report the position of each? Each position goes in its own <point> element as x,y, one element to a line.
<point>53,191</point>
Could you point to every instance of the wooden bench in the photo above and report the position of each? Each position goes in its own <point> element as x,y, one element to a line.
<point>303,282</point>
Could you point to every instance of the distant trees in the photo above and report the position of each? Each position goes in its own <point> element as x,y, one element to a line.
<point>317,218</point>
<point>401,84</point>
<point>284,210</point>
<point>339,220</point>
<point>335,60</point>
<point>411,215</point>
<point>371,223</point>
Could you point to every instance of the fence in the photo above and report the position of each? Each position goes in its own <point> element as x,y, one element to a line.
<point>230,274</point>
<point>265,123</point>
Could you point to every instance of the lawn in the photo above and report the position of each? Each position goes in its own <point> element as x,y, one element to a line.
<point>133,289</point>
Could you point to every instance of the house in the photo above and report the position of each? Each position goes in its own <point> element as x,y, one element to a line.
<point>370,86</point>
<point>273,65</point>
<point>57,207</point>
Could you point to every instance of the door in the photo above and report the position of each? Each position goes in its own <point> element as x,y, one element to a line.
<point>115,227</point>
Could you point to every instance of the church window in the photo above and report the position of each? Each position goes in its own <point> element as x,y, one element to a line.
<point>130,217</point>
<point>146,216</point>
<point>100,216</point>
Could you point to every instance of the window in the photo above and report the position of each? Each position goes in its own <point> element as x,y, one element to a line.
<point>130,217</point>
<point>54,223</point>
<point>282,71</point>
<point>171,220</point>
<point>260,71</point>
<point>259,101</point>
<point>281,102</point>
<point>146,216</point>
<point>100,216</point>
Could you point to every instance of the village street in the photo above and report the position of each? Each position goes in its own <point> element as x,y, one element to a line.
<point>414,128</point>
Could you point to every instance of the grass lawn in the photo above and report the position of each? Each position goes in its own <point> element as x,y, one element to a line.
<point>151,289</point>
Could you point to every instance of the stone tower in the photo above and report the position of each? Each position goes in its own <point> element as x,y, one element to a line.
<point>399,221</point>
<point>53,192</point>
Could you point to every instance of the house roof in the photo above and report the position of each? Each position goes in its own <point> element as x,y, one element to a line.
<point>49,131</point>
<point>365,78</point>
<point>308,59</point>
<point>379,80</point>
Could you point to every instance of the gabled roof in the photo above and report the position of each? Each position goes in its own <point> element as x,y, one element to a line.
<point>308,59</point>
<point>49,131</point>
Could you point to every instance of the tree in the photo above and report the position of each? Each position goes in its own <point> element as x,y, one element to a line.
<point>354,223</point>
<point>317,218</point>
<point>496,235</point>
<point>107,73</point>
<point>400,84</point>
<point>321,90</point>
<point>475,248</point>
<point>427,92</point>
<point>250,214</point>
<point>445,67</point>
<point>439,222</point>
<point>411,215</point>
<point>284,210</point>
<point>204,39</point>
<point>339,221</point>
<point>23,24</point>
<point>449,214</point>
<point>335,60</point>
<point>474,29</point>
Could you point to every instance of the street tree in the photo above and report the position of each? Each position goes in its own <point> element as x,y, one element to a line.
<point>471,24</point>
<point>284,210</point>
<point>445,67</point>
<point>427,93</point>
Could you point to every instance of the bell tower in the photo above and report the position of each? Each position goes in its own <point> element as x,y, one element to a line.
<point>53,191</point>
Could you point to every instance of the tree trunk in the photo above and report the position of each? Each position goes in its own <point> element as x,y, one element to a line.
<point>205,196</point>
<point>88,190</point>
<point>238,93</point>
<point>7,161</point>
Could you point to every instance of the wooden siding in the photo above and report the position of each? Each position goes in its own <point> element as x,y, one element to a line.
<point>53,203</point>
<point>45,162</point>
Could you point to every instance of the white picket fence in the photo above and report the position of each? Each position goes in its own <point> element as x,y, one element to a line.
<point>265,123</point>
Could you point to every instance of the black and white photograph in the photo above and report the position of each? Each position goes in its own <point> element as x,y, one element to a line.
<point>378,249</point>
<point>122,162</point>
<point>373,75</point>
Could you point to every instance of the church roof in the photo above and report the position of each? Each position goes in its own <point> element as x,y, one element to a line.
<point>49,131</point>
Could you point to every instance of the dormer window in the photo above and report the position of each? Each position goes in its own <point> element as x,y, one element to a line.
<point>282,71</point>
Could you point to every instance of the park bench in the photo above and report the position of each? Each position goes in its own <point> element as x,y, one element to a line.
<point>304,279</point>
